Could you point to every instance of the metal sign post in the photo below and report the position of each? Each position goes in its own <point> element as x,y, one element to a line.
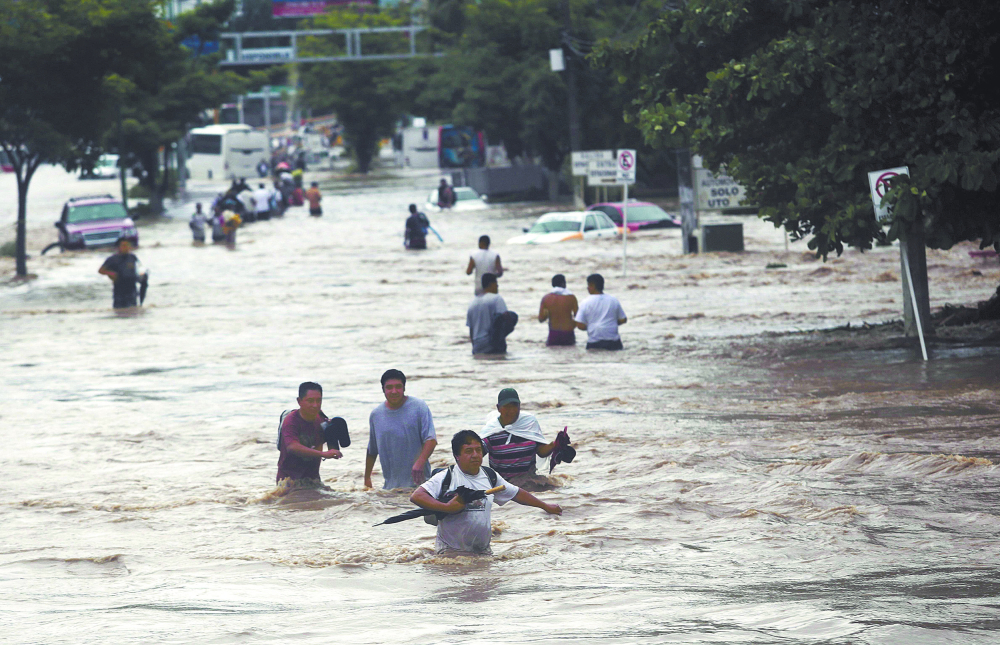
<point>878,182</point>
<point>625,175</point>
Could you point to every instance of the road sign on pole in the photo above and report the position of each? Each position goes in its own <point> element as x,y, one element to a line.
<point>626,167</point>
<point>878,181</point>
<point>625,175</point>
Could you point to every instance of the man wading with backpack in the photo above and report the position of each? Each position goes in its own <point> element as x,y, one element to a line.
<point>467,526</point>
<point>302,435</point>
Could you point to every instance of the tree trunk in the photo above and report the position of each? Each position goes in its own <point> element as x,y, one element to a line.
<point>912,244</point>
<point>553,185</point>
<point>21,252</point>
<point>25,168</point>
<point>364,150</point>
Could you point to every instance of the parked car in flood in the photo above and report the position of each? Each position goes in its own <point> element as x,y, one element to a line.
<point>641,215</point>
<point>95,220</point>
<point>574,225</point>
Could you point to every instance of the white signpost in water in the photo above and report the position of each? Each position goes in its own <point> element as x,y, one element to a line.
<point>625,175</point>
<point>878,181</point>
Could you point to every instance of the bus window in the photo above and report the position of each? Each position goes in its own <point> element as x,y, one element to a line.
<point>206,144</point>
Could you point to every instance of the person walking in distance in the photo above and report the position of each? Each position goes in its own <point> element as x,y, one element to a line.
<point>313,196</point>
<point>559,307</point>
<point>415,231</point>
<point>484,261</point>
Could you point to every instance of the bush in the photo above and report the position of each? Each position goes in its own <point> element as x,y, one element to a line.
<point>8,249</point>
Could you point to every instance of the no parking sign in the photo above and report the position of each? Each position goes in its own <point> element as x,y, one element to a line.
<point>879,183</point>
<point>626,167</point>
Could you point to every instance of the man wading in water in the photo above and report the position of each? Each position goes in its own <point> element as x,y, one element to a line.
<point>467,527</point>
<point>513,439</point>
<point>401,435</point>
<point>559,307</point>
<point>124,270</point>
<point>301,440</point>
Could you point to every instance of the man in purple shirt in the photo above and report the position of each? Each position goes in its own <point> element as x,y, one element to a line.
<point>301,444</point>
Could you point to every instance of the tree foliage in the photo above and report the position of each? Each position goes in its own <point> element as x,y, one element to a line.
<point>497,77</point>
<point>58,62</point>
<point>171,88</point>
<point>368,97</point>
<point>800,99</point>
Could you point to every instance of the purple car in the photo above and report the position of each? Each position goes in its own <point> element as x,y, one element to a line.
<point>641,215</point>
<point>95,220</point>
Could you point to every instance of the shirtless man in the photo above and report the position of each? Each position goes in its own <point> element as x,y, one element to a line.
<point>559,307</point>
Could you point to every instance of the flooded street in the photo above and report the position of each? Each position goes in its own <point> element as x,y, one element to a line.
<point>736,481</point>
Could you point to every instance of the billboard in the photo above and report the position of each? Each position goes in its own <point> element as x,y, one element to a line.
<point>303,8</point>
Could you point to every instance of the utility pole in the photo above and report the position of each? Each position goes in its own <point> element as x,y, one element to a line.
<point>574,118</point>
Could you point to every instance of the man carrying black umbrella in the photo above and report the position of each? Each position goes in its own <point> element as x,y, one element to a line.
<point>467,526</point>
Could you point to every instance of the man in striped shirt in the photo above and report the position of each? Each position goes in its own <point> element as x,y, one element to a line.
<point>513,439</point>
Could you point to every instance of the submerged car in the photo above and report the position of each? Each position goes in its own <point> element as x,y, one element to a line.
<point>466,199</point>
<point>95,220</point>
<point>641,215</point>
<point>574,225</point>
<point>106,167</point>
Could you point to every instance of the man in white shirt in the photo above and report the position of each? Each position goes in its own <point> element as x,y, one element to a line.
<point>262,201</point>
<point>467,526</point>
<point>482,262</point>
<point>600,315</point>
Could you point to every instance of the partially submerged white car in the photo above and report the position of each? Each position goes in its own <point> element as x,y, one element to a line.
<point>466,199</point>
<point>574,225</point>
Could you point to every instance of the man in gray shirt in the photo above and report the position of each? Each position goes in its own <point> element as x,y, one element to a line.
<point>488,319</point>
<point>401,435</point>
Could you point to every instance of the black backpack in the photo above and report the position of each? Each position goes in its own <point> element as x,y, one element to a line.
<point>446,482</point>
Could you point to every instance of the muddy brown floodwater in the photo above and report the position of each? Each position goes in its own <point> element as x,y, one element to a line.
<point>737,481</point>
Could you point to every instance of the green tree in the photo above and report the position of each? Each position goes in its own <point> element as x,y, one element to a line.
<point>801,98</point>
<point>498,78</point>
<point>58,59</point>
<point>368,97</point>
<point>176,84</point>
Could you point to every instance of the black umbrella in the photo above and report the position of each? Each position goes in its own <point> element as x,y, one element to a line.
<point>143,286</point>
<point>466,494</point>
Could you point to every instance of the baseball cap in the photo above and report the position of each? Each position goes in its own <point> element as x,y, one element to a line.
<point>508,395</point>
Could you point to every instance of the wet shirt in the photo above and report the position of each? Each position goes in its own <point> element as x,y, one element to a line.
<point>601,313</point>
<point>511,455</point>
<point>307,433</point>
<point>415,225</point>
<point>125,266</point>
<point>486,262</point>
<point>397,436</point>
<point>469,530</point>
<point>479,319</point>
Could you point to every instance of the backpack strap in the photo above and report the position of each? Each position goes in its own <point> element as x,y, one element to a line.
<point>491,475</point>
<point>446,482</point>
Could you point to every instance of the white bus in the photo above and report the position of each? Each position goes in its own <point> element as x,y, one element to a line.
<point>230,151</point>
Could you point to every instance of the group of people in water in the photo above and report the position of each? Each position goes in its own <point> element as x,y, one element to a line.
<point>490,322</point>
<point>402,438</point>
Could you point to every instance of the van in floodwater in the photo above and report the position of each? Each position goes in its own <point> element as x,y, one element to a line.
<point>224,152</point>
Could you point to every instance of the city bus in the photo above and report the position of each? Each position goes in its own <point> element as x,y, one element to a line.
<point>229,151</point>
